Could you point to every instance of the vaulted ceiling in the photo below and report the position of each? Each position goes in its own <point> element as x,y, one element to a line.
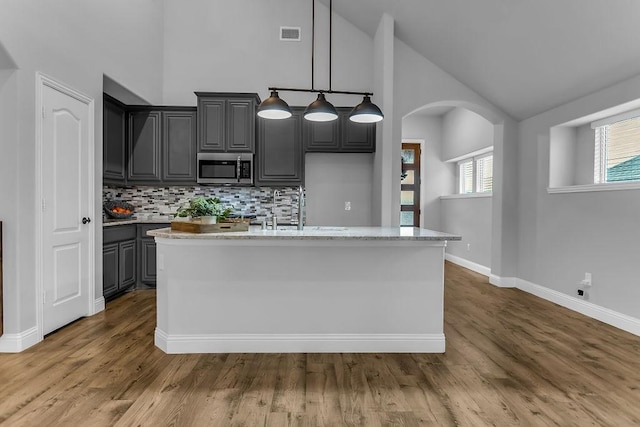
<point>524,56</point>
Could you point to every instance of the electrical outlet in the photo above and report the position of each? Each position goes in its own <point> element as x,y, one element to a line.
<point>347,206</point>
<point>586,282</point>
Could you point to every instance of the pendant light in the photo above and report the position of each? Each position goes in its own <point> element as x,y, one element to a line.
<point>320,110</point>
<point>366,112</point>
<point>274,107</point>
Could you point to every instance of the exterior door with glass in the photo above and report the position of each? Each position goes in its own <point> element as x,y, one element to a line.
<point>410,186</point>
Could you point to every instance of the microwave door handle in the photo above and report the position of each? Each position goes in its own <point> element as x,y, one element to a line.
<point>238,169</point>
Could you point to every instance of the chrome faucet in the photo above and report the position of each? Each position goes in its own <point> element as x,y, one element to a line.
<point>274,218</point>
<point>301,205</point>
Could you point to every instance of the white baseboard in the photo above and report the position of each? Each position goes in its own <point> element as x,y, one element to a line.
<point>502,282</point>
<point>300,343</point>
<point>486,271</point>
<point>610,317</point>
<point>98,305</point>
<point>15,343</point>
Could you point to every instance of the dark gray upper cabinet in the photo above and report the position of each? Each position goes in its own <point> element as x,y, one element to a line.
<point>212,114</point>
<point>226,121</point>
<point>356,137</point>
<point>162,145</point>
<point>280,154</point>
<point>321,136</point>
<point>179,146</point>
<point>114,141</point>
<point>339,136</point>
<point>144,147</point>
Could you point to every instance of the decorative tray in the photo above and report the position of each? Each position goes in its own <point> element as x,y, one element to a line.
<point>195,226</point>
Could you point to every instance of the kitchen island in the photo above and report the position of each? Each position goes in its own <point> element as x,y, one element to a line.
<point>321,289</point>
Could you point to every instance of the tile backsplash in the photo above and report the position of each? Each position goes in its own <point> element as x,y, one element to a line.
<point>165,201</point>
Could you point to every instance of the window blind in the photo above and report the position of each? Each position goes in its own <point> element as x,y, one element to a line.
<point>484,174</point>
<point>466,176</point>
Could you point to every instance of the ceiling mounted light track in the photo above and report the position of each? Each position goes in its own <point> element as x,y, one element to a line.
<point>320,110</point>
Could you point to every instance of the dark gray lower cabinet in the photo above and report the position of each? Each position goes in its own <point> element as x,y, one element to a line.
<point>280,151</point>
<point>110,269</point>
<point>119,259</point>
<point>128,258</point>
<point>147,254</point>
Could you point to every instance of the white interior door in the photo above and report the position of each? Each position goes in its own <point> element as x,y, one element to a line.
<point>66,209</point>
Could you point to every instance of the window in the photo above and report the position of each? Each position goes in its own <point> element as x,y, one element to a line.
<point>617,151</point>
<point>475,174</point>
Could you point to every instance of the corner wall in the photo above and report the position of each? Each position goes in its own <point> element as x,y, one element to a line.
<point>562,236</point>
<point>75,43</point>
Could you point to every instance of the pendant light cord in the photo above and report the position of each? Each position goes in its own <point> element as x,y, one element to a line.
<point>313,39</point>
<point>330,39</point>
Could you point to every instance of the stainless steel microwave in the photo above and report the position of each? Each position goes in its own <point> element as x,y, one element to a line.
<point>225,168</point>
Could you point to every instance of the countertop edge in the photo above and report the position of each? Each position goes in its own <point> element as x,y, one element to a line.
<point>355,233</point>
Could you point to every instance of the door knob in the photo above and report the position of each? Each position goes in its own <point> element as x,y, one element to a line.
<point>86,220</point>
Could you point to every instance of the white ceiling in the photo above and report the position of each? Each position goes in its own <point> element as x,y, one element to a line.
<point>524,56</point>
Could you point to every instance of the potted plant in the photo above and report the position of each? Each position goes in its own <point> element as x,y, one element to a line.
<point>209,209</point>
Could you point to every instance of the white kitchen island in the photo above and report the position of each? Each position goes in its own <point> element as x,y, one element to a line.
<point>322,289</point>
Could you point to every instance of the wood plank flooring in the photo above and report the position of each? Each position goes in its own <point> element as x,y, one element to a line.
<point>512,359</point>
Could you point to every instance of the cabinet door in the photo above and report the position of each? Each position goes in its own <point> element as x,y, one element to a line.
<point>144,147</point>
<point>211,124</point>
<point>241,122</point>
<point>114,148</point>
<point>280,151</point>
<point>179,146</point>
<point>322,137</point>
<point>127,264</point>
<point>356,137</point>
<point>110,270</point>
<point>148,261</point>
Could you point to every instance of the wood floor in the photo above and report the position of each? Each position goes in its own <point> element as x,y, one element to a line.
<point>512,359</point>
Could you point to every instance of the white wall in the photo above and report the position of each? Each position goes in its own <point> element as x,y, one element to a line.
<point>75,42</point>
<point>438,177</point>
<point>562,236</point>
<point>333,179</point>
<point>234,46</point>
<point>471,218</point>
<point>465,132</point>
<point>223,46</point>
<point>419,83</point>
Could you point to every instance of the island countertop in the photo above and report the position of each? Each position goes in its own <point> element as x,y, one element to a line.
<point>315,233</point>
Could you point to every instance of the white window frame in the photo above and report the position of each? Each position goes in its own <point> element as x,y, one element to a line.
<point>474,172</point>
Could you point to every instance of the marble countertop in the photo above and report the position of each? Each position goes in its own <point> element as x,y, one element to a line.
<point>314,233</point>
<point>138,219</point>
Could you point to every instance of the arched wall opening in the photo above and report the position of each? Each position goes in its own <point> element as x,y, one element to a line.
<point>450,131</point>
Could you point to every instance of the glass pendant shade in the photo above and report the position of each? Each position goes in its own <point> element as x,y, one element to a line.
<point>320,110</point>
<point>366,112</point>
<point>274,108</point>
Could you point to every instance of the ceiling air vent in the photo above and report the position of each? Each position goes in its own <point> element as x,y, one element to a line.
<point>291,34</point>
